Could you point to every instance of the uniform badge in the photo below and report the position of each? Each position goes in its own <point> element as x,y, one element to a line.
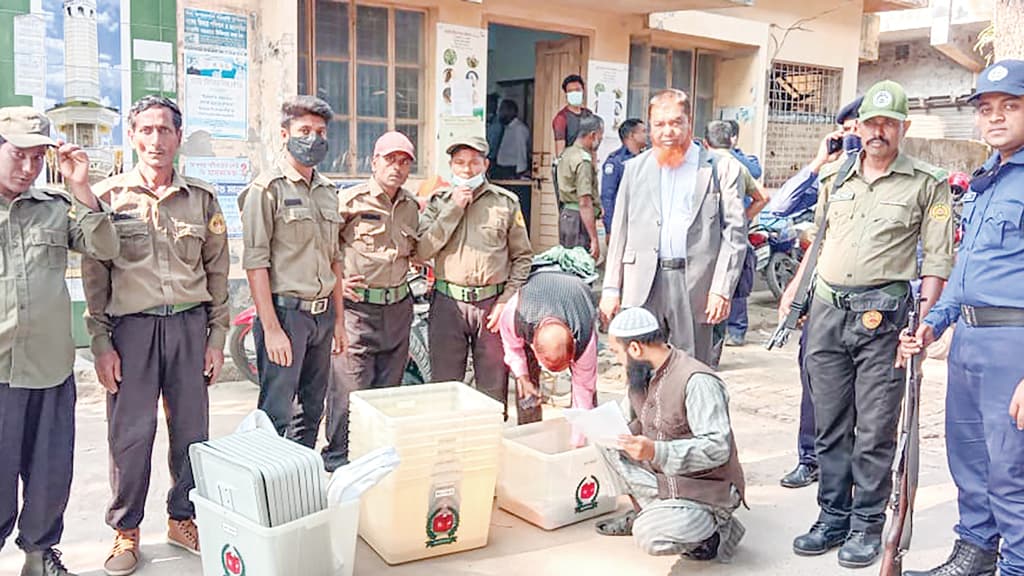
<point>520,221</point>
<point>883,99</point>
<point>609,169</point>
<point>871,319</point>
<point>939,212</point>
<point>998,73</point>
<point>217,224</point>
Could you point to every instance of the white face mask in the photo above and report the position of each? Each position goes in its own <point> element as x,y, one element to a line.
<point>471,183</point>
<point>575,98</point>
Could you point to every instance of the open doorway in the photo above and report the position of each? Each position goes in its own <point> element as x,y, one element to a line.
<point>525,68</point>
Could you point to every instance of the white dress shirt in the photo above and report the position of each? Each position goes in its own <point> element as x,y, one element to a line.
<point>678,191</point>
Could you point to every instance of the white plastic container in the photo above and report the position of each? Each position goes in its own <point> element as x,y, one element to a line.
<point>321,544</point>
<point>439,499</point>
<point>547,482</point>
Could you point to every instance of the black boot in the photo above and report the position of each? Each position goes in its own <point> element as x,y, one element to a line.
<point>860,550</point>
<point>44,563</point>
<point>820,539</point>
<point>966,560</point>
<point>706,550</point>
<point>802,475</point>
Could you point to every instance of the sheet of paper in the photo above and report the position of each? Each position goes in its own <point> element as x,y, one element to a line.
<point>602,425</point>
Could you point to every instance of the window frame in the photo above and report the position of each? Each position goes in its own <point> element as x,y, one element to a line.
<point>308,76</point>
<point>642,86</point>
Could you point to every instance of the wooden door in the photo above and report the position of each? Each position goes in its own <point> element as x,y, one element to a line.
<point>556,59</point>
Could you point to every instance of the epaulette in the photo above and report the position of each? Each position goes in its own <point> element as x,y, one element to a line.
<point>937,174</point>
<point>503,192</point>
<point>348,194</point>
<point>53,193</point>
<point>200,184</point>
<point>831,168</point>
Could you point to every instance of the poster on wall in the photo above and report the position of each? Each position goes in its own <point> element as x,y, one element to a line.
<point>216,56</point>
<point>30,56</point>
<point>230,176</point>
<point>461,86</point>
<point>607,84</point>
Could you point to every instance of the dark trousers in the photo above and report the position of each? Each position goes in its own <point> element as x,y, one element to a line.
<point>37,444</point>
<point>160,357</point>
<point>293,396</point>
<point>454,329</point>
<point>805,436</point>
<point>669,301</point>
<point>984,447</point>
<point>738,320</point>
<point>377,353</point>
<point>571,231</point>
<point>857,394</point>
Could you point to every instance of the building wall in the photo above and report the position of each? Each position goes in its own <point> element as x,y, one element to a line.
<point>925,72</point>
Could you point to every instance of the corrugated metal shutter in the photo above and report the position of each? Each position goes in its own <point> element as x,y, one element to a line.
<point>943,122</point>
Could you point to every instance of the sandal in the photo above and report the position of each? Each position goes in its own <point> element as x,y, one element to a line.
<point>617,526</point>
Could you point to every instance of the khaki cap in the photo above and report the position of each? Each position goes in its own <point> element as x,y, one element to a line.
<point>477,143</point>
<point>24,127</point>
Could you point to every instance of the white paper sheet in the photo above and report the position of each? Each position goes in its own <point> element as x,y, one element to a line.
<point>602,425</point>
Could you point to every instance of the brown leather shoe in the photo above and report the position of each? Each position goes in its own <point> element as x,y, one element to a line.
<point>124,556</point>
<point>184,535</point>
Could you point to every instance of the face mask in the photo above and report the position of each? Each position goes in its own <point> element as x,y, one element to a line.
<point>309,150</point>
<point>851,142</point>
<point>471,183</point>
<point>575,98</point>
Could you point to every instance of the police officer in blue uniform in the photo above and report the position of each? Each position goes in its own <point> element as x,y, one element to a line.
<point>633,134</point>
<point>985,394</point>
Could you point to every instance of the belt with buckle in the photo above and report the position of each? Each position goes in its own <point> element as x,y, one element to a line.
<point>672,263</point>
<point>470,294</point>
<point>314,307</point>
<point>992,316</point>
<point>571,206</point>
<point>383,296</point>
<point>841,298</point>
<point>170,309</point>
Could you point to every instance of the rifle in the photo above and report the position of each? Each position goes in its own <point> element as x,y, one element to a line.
<point>799,308</point>
<point>905,466</point>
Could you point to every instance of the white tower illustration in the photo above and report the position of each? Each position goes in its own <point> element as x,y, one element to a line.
<point>81,51</point>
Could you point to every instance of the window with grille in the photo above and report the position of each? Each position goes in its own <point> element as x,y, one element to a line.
<point>368,63</point>
<point>802,106</point>
<point>654,68</point>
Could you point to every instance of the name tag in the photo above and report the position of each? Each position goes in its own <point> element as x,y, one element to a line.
<point>293,201</point>
<point>121,216</point>
<point>375,217</point>
<point>840,197</point>
<point>970,197</point>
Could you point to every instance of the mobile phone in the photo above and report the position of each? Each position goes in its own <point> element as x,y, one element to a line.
<point>835,145</point>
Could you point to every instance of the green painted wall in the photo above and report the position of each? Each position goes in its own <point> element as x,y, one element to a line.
<point>8,10</point>
<point>154,20</point>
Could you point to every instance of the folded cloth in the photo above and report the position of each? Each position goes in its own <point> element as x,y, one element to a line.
<point>572,260</point>
<point>256,420</point>
<point>350,481</point>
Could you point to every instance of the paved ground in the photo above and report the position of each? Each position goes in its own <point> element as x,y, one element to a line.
<point>764,389</point>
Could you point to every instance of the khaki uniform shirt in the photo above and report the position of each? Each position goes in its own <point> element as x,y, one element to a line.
<point>577,176</point>
<point>873,229</point>
<point>484,244</point>
<point>36,350</point>
<point>749,185</point>
<point>174,250</point>
<point>378,236</point>
<point>292,227</point>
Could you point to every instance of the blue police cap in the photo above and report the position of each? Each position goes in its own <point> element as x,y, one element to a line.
<point>1005,76</point>
<point>850,111</point>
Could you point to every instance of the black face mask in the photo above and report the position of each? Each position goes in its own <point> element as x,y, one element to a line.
<point>308,150</point>
<point>638,375</point>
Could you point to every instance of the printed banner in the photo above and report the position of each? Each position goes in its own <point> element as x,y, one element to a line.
<point>607,86</point>
<point>461,86</point>
<point>216,74</point>
<point>230,176</point>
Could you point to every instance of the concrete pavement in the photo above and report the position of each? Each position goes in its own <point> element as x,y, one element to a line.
<point>764,390</point>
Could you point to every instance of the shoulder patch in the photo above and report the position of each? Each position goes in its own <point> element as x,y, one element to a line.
<point>217,224</point>
<point>936,173</point>
<point>609,168</point>
<point>940,212</point>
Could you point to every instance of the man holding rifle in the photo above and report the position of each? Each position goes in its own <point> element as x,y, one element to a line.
<point>985,394</point>
<point>874,209</point>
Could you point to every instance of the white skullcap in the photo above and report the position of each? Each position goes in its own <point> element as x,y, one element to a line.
<point>633,322</point>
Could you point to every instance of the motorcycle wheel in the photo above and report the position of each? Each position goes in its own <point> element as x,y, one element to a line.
<point>781,269</point>
<point>243,352</point>
<point>417,371</point>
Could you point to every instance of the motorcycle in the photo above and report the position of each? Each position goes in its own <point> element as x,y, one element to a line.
<point>779,243</point>
<point>417,370</point>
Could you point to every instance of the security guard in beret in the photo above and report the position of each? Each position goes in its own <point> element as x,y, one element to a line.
<point>476,234</point>
<point>158,315</point>
<point>985,395</point>
<point>577,188</point>
<point>874,208</point>
<point>378,240</point>
<point>37,385</point>
<point>293,259</point>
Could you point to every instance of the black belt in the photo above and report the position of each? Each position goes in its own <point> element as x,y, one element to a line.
<point>672,263</point>
<point>314,307</point>
<point>992,316</point>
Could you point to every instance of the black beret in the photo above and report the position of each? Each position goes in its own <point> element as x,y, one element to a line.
<point>850,111</point>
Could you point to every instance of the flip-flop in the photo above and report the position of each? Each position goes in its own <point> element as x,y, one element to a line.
<point>618,526</point>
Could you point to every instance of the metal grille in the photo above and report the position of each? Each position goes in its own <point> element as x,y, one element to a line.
<point>802,106</point>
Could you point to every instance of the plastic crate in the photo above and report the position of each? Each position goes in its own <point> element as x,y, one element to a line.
<point>544,480</point>
<point>321,544</point>
<point>439,499</point>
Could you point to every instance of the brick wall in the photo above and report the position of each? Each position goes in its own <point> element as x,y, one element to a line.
<point>788,148</point>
